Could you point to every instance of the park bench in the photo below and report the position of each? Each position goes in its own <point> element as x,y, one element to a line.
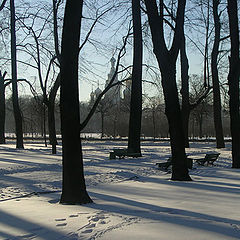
<point>168,163</point>
<point>209,158</point>
<point>122,153</point>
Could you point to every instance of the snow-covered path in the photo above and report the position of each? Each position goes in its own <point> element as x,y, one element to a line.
<point>132,198</point>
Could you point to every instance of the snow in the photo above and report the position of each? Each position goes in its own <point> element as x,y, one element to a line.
<point>132,198</point>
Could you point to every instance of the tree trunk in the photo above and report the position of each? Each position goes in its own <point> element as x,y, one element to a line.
<point>51,127</point>
<point>2,110</point>
<point>73,185</point>
<point>134,132</point>
<point>217,109</point>
<point>51,115</point>
<point>102,124</point>
<point>173,113</point>
<point>200,122</point>
<point>16,109</point>
<point>154,124</point>
<point>167,64</point>
<point>185,90</point>
<point>44,125</point>
<point>233,81</point>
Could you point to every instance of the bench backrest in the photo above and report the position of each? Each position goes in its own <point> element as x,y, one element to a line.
<point>119,151</point>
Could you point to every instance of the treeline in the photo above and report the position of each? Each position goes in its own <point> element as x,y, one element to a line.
<point>154,122</point>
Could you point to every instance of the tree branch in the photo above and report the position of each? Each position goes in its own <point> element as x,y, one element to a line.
<point>92,27</point>
<point>3,4</point>
<point>199,100</point>
<point>110,84</point>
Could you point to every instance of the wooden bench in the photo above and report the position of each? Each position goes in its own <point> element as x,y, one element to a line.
<point>122,153</point>
<point>166,165</point>
<point>209,158</point>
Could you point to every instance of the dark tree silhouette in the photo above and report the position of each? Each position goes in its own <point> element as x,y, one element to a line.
<point>2,108</point>
<point>167,64</point>
<point>233,82</point>
<point>73,185</point>
<point>217,108</point>
<point>16,108</point>
<point>186,108</point>
<point>134,132</point>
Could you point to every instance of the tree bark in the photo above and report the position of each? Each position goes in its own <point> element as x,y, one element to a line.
<point>73,185</point>
<point>233,82</point>
<point>134,133</point>
<point>102,124</point>
<point>51,127</point>
<point>185,90</point>
<point>16,108</point>
<point>2,110</point>
<point>167,64</point>
<point>217,108</point>
<point>51,114</point>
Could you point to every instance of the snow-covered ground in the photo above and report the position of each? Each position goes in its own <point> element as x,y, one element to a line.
<point>132,198</point>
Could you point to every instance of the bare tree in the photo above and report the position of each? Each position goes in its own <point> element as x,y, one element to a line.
<point>233,81</point>
<point>73,186</point>
<point>134,132</point>
<point>2,108</point>
<point>17,112</point>
<point>217,108</point>
<point>167,64</point>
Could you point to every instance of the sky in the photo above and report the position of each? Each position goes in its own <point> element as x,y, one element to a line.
<point>105,39</point>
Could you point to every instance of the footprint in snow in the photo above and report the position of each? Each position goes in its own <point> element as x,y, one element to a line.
<point>61,220</point>
<point>88,231</point>
<point>61,225</point>
<point>91,225</point>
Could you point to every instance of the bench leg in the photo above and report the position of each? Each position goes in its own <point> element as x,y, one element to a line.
<point>112,155</point>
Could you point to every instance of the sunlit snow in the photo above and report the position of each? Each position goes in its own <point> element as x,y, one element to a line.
<point>133,199</point>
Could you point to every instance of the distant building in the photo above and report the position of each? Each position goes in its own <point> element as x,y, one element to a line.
<point>114,94</point>
<point>127,90</point>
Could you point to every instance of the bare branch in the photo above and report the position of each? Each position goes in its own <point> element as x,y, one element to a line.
<point>199,100</point>
<point>55,29</point>
<point>92,27</point>
<point>224,38</point>
<point>3,4</point>
<point>110,84</point>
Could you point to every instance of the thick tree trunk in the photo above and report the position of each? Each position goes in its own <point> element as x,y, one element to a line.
<point>233,81</point>
<point>217,109</point>
<point>134,132</point>
<point>185,90</point>
<point>16,108</point>
<point>2,110</point>
<point>173,113</point>
<point>73,185</point>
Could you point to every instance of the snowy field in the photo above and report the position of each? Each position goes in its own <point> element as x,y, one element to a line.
<point>132,198</point>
